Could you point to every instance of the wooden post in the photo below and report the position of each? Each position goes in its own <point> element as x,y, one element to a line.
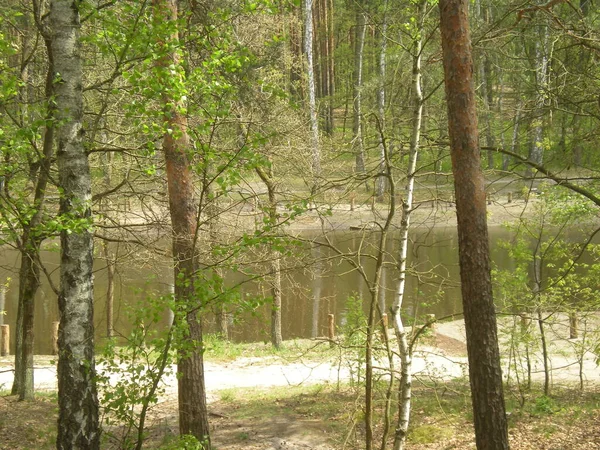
<point>55,326</point>
<point>430,320</point>
<point>489,198</point>
<point>2,303</point>
<point>384,323</point>
<point>509,197</point>
<point>331,320</point>
<point>573,328</point>
<point>4,340</point>
<point>352,198</point>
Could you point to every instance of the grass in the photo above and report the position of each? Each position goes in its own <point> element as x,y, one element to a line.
<point>439,411</point>
<point>220,350</point>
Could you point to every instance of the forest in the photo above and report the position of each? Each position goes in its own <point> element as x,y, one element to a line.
<point>378,218</point>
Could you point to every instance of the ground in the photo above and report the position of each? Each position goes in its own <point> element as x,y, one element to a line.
<point>270,402</point>
<point>304,399</point>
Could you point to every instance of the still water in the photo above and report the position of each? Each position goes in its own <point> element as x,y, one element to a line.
<point>309,294</point>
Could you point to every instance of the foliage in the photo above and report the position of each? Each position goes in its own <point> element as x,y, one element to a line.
<point>354,339</point>
<point>185,442</point>
<point>130,376</point>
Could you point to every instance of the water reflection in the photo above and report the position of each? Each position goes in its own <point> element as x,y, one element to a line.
<point>309,294</point>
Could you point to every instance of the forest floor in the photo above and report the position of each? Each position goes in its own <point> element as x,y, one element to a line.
<point>306,398</point>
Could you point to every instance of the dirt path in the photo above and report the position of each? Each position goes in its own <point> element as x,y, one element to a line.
<point>442,357</point>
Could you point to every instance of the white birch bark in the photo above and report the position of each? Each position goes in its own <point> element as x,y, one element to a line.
<point>357,129</point>
<point>77,397</point>
<point>381,181</point>
<point>312,101</point>
<point>405,388</point>
<point>536,152</point>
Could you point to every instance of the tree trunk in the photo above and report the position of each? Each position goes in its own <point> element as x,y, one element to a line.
<point>276,337</point>
<point>359,45</point>
<point>110,289</point>
<point>31,239</point>
<point>474,255</point>
<point>330,66</point>
<point>312,101</point>
<point>536,151</point>
<point>537,292</point>
<point>405,388</point>
<point>488,92</point>
<point>317,283</point>
<point>515,137</point>
<point>193,416</point>
<point>381,180</point>
<point>77,398</point>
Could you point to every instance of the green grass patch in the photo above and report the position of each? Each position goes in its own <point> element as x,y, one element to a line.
<point>220,350</point>
<point>429,434</point>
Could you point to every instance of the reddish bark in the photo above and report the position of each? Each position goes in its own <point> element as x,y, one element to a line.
<point>480,317</point>
<point>193,416</point>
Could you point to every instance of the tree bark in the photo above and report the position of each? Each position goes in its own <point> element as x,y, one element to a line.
<point>77,398</point>
<point>536,151</point>
<point>276,337</point>
<point>359,45</point>
<point>381,180</point>
<point>312,101</point>
<point>193,416</point>
<point>405,388</point>
<point>31,239</point>
<point>474,255</point>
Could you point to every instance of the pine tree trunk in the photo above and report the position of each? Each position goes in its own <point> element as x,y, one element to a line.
<point>193,416</point>
<point>474,255</point>
<point>77,398</point>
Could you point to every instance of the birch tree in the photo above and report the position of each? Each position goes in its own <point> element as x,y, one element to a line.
<point>357,128</point>
<point>404,349</point>
<point>77,396</point>
<point>312,100</point>
<point>381,180</point>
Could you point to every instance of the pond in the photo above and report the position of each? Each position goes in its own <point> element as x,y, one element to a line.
<point>309,294</point>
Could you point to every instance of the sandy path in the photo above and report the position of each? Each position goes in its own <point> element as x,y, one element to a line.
<point>444,359</point>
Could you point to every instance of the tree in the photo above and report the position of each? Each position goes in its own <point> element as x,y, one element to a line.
<point>404,349</point>
<point>77,397</point>
<point>381,65</point>
<point>357,126</point>
<point>474,256</point>
<point>312,101</point>
<point>193,416</point>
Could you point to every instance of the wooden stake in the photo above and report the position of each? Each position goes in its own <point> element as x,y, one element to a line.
<point>573,326</point>
<point>331,319</point>
<point>430,319</point>
<point>5,340</point>
<point>55,326</point>
<point>2,303</point>
<point>509,197</point>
